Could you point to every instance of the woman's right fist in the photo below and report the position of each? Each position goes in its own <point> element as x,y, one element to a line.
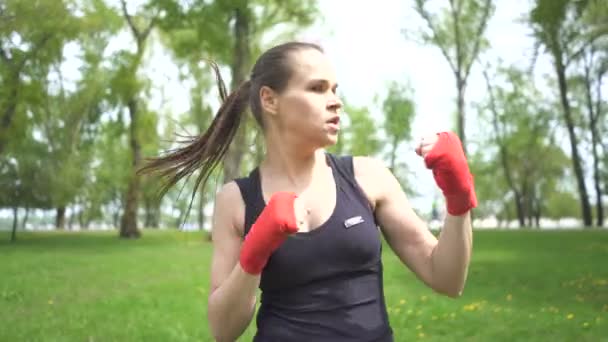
<point>275,223</point>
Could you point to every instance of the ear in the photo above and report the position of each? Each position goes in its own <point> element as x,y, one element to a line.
<point>269,100</point>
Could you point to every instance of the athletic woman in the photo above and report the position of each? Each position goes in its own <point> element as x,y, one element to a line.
<point>305,226</point>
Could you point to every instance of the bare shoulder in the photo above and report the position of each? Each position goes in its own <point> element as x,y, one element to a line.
<point>373,177</point>
<point>229,210</point>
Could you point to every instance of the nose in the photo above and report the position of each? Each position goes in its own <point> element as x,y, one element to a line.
<point>335,104</point>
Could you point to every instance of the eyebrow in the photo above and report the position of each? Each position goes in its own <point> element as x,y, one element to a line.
<point>321,80</point>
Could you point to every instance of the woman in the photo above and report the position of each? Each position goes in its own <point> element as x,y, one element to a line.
<point>305,226</point>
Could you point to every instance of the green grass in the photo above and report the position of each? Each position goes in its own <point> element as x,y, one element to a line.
<point>522,286</point>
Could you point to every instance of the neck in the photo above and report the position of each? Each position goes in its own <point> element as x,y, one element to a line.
<point>296,163</point>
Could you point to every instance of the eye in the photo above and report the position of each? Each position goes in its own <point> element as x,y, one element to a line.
<point>317,88</point>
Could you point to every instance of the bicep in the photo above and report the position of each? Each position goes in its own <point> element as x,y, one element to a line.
<point>226,234</point>
<point>404,231</point>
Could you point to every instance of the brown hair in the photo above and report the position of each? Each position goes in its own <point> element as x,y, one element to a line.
<point>204,152</point>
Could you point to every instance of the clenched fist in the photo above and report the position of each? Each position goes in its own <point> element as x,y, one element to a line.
<point>443,154</point>
<point>276,222</point>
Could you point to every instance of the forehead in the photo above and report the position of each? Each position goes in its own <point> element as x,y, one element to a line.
<point>311,64</point>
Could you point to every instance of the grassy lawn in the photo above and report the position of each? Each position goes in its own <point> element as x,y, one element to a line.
<point>523,286</point>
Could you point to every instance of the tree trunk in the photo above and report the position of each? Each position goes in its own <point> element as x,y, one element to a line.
<point>116,218</point>
<point>147,213</point>
<point>240,62</point>
<point>128,223</point>
<point>152,210</point>
<point>504,159</point>
<point>530,210</point>
<point>576,161</point>
<point>180,221</point>
<point>71,219</point>
<point>461,86</point>
<point>156,218</point>
<point>25,218</point>
<point>526,204</point>
<point>537,214</point>
<point>593,118</point>
<point>10,109</point>
<point>520,210</point>
<point>82,221</point>
<point>504,155</point>
<point>15,224</point>
<point>60,218</point>
<point>599,208</point>
<point>597,172</point>
<point>535,207</point>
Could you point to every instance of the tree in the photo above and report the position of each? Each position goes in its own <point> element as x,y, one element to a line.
<point>558,27</point>
<point>51,127</point>
<point>588,86</point>
<point>459,33</point>
<point>399,110</point>
<point>128,88</point>
<point>32,35</point>
<point>528,157</point>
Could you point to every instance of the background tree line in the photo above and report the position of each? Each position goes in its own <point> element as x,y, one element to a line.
<point>70,144</point>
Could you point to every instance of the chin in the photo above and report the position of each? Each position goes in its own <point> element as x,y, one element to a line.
<point>320,141</point>
<point>329,143</point>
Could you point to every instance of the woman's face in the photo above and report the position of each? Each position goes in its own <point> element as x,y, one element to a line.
<point>309,109</point>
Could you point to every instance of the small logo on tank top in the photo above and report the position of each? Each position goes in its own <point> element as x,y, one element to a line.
<point>353,221</point>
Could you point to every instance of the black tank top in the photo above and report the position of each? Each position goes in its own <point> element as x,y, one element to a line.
<point>326,284</point>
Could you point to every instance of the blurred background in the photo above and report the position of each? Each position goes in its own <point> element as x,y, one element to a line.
<point>90,88</point>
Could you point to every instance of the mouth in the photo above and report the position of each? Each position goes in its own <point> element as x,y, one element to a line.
<point>334,120</point>
<point>333,124</point>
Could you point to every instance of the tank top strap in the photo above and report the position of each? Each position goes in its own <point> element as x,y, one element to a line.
<point>346,176</point>
<point>252,196</point>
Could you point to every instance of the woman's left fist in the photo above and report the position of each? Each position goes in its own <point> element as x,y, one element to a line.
<point>444,155</point>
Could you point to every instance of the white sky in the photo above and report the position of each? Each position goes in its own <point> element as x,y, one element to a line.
<point>364,40</point>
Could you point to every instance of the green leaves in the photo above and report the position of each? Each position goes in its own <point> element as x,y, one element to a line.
<point>359,135</point>
<point>399,110</point>
<point>523,165</point>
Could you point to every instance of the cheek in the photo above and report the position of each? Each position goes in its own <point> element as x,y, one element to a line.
<point>298,110</point>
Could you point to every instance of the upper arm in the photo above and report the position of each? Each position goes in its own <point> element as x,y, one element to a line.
<point>226,233</point>
<point>405,232</point>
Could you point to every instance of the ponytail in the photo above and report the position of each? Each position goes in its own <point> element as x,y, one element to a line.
<point>205,151</point>
<point>272,69</point>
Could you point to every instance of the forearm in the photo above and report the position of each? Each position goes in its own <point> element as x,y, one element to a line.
<point>450,257</point>
<point>231,306</point>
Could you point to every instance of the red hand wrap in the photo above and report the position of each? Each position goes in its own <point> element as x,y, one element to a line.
<point>451,172</point>
<point>272,227</point>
